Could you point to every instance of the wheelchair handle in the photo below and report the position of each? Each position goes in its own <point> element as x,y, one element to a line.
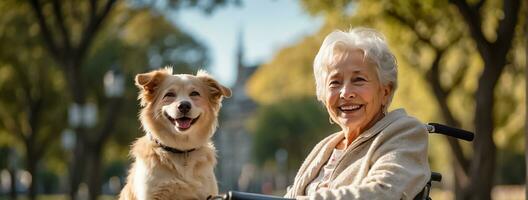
<point>450,131</point>
<point>436,177</point>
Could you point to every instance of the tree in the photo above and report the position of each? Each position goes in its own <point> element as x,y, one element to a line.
<point>28,89</point>
<point>492,46</point>
<point>292,119</point>
<point>60,34</point>
<point>427,22</point>
<point>432,36</point>
<point>493,52</point>
<point>526,102</point>
<point>291,81</point>
<point>465,186</point>
<point>68,31</point>
<point>144,35</point>
<point>526,109</point>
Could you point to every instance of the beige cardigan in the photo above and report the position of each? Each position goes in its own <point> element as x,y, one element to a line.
<point>387,161</point>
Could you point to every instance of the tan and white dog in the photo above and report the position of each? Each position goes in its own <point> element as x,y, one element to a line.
<point>176,158</point>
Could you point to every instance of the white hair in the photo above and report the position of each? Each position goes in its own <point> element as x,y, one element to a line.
<point>374,48</point>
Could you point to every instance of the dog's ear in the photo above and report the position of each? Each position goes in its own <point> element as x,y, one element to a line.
<point>149,82</point>
<point>216,89</point>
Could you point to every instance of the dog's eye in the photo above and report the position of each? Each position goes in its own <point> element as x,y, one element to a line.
<point>194,93</point>
<point>170,94</point>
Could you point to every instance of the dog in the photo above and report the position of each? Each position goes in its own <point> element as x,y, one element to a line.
<point>176,157</point>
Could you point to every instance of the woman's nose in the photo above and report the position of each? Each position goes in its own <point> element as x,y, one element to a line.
<point>347,92</point>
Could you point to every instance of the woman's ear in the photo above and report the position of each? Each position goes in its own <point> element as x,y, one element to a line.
<point>216,90</point>
<point>387,91</point>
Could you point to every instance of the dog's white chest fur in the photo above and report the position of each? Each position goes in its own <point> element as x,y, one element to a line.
<point>192,181</point>
<point>141,179</point>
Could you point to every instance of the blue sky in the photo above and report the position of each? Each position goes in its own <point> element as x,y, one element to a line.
<point>266,26</point>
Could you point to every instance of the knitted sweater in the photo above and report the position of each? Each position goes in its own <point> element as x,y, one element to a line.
<point>387,161</point>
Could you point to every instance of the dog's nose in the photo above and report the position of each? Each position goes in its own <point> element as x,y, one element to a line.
<point>184,107</point>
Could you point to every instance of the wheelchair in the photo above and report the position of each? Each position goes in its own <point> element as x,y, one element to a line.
<point>423,195</point>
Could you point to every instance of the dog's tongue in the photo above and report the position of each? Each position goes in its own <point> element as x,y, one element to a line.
<point>184,122</point>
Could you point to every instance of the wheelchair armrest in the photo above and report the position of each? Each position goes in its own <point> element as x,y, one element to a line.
<point>234,195</point>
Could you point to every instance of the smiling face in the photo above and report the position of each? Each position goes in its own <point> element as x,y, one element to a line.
<point>184,101</point>
<point>354,95</point>
<point>180,110</point>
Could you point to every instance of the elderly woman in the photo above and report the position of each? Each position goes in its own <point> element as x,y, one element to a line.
<point>377,154</point>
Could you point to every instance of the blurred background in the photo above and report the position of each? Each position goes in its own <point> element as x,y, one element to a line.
<point>68,104</point>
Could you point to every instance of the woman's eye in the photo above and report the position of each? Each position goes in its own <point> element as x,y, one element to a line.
<point>170,94</point>
<point>334,83</point>
<point>194,93</point>
<point>358,79</point>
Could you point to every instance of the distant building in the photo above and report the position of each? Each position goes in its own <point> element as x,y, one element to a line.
<point>232,139</point>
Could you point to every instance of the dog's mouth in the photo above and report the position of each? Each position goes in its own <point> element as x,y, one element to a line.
<point>182,123</point>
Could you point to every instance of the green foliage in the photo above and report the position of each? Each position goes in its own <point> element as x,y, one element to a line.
<point>208,6</point>
<point>150,34</point>
<point>326,7</point>
<point>291,124</point>
<point>30,90</point>
<point>510,168</point>
<point>137,40</point>
<point>131,38</point>
<point>417,32</point>
<point>49,181</point>
<point>288,75</point>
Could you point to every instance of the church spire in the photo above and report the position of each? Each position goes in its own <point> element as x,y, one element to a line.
<point>240,53</point>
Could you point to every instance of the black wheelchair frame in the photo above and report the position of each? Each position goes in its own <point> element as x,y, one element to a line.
<point>423,195</point>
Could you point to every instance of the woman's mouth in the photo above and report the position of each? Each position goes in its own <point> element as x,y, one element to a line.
<point>182,123</point>
<point>350,108</point>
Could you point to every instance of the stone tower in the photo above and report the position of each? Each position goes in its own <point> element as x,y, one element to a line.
<point>232,139</point>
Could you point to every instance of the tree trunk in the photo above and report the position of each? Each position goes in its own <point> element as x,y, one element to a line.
<point>70,57</point>
<point>77,165</point>
<point>97,145</point>
<point>483,163</point>
<point>526,102</point>
<point>461,182</point>
<point>32,162</point>
<point>13,190</point>
<point>94,183</point>
<point>75,81</point>
<point>494,56</point>
<point>459,162</point>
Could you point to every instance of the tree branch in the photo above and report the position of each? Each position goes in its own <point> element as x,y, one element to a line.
<point>48,38</point>
<point>24,81</point>
<point>472,18</point>
<point>35,108</point>
<point>57,12</point>
<point>91,29</point>
<point>433,77</point>
<point>462,161</point>
<point>45,143</point>
<point>11,126</point>
<point>93,8</point>
<point>506,29</point>
<point>410,25</point>
<point>479,5</point>
<point>458,79</point>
